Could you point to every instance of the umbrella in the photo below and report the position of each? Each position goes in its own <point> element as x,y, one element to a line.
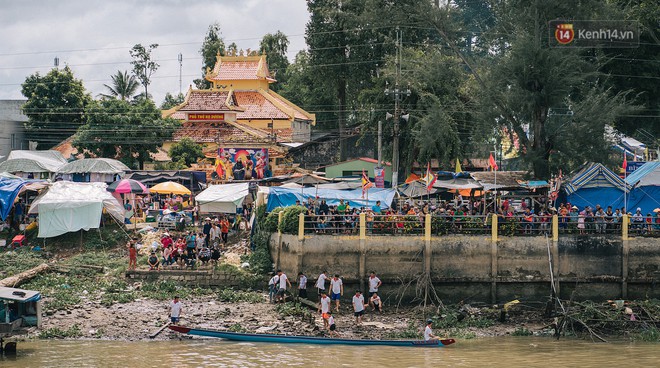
<point>416,189</point>
<point>127,186</point>
<point>170,187</point>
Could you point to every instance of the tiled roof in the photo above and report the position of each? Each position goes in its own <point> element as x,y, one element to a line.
<point>230,68</point>
<point>203,100</point>
<point>257,106</point>
<point>283,135</point>
<point>297,112</point>
<point>202,132</point>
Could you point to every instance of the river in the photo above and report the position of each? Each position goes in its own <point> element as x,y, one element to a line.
<point>488,352</point>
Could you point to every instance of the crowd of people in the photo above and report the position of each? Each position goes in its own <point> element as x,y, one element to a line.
<point>460,215</point>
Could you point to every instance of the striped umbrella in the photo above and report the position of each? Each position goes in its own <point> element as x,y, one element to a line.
<point>127,186</point>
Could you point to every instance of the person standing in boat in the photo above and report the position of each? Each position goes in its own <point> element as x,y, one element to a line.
<point>428,332</point>
<point>302,285</point>
<point>337,290</point>
<point>175,310</point>
<point>284,282</point>
<point>324,308</point>
<point>320,282</point>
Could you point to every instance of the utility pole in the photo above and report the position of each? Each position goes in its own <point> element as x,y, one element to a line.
<point>380,143</point>
<point>180,67</point>
<point>396,93</point>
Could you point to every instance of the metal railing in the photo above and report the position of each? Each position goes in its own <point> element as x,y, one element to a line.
<point>438,225</point>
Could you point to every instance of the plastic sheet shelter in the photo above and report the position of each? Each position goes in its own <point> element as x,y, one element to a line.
<point>449,180</point>
<point>284,197</point>
<point>93,169</point>
<point>225,198</point>
<point>594,184</point>
<point>67,206</point>
<point>42,163</point>
<point>645,192</point>
<point>9,190</point>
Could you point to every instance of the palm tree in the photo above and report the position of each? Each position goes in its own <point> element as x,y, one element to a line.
<point>123,86</point>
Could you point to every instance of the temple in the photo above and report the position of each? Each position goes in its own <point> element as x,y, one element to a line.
<point>241,118</point>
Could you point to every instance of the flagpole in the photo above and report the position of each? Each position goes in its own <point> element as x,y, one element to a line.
<point>625,176</point>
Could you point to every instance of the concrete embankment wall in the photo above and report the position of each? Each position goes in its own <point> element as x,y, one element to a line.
<point>474,268</point>
<point>187,277</point>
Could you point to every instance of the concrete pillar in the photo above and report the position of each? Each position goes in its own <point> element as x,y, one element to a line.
<point>624,226</point>
<point>39,312</point>
<point>278,239</point>
<point>555,251</point>
<point>493,260</point>
<point>624,268</point>
<point>301,226</point>
<point>362,262</point>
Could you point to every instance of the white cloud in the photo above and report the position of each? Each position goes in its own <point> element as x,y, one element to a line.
<point>94,37</point>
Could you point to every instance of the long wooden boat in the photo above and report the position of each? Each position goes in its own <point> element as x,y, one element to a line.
<point>285,339</point>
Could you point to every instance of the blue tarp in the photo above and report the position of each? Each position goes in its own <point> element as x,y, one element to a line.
<point>9,189</point>
<point>593,196</point>
<point>646,188</point>
<point>284,197</point>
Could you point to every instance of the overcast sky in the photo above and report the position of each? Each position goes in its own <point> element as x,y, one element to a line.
<point>94,37</point>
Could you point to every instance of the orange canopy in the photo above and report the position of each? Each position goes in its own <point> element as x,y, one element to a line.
<point>466,192</point>
<point>412,177</point>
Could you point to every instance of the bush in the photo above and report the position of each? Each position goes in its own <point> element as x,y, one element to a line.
<point>289,224</point>
<point>270,223</point>
<point>236,296</point>
<point>293,309</point>
<point>54,332</point>
<point>260,260</point>
<point>521,331</point>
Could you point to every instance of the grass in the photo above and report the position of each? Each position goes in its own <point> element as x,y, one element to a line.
<point>56,333</point>
<point>522,331</point>
<point>293,309</point>
<point>15,262</point>
<point>650,334</point>
<point>236,296</point>
<point>412,332</point>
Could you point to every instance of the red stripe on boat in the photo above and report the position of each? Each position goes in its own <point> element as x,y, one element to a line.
<point>181,329</point>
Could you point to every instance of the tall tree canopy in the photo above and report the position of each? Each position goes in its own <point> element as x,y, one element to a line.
<point>143,65</point>
<point>186,150</point>
<point>275,47</point>
<point>55,106</point>
<point>211,47</point>
<point>172,100</point>
<point>123,86</point>
<point>118,129</point>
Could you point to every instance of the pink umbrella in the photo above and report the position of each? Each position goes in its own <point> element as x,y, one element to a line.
<point>127,186</point>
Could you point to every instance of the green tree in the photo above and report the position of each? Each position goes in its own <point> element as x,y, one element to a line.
<point>211,47</point>
<point>275,47</point>
<point>55,106</point>
<point>547,96</point>
<point>143,66</point>
<point>122,130</point>
<point>170,101</point>
<point>123,86</point>
<point>187,150</point>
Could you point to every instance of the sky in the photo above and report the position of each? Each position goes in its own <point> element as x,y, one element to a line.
<point>94,37</point>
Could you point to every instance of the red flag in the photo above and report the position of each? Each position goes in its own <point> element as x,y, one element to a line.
<point>625,162</point>
<point>429,178</point>
<point>492,163</point>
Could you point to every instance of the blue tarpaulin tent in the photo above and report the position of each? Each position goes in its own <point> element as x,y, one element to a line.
<point>9,189</point>
<point>284,197</point>
<point>594,184</point>
<point>645,192</point>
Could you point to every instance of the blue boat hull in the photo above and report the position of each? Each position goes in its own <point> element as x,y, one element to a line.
<point>284,339</point>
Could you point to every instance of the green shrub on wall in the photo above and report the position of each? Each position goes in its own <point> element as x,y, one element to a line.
<point>289,223</point>
<point>270,223</point>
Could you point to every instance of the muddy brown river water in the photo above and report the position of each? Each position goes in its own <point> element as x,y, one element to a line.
<point>487,352</point>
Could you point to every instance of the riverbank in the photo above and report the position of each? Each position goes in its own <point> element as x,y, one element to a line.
<point>87,296</point>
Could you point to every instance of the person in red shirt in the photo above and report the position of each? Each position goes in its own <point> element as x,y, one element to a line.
<point>224,229</point>
<point>132,255</point>
<point>166,240</point>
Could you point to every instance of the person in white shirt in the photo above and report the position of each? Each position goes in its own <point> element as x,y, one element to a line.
<point>428,332</point>
<point>324,308</point>
<point>375,303</point>
<point>358,307</point>
<point>331,325</point>
<point>284,281</point>
<point>273,285</point>
<point>214,234</point>
<point>337,290</point>
<point>302,285</point>
<point>374,283</point>
<point>175,310</point>
<point>320,282</point>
